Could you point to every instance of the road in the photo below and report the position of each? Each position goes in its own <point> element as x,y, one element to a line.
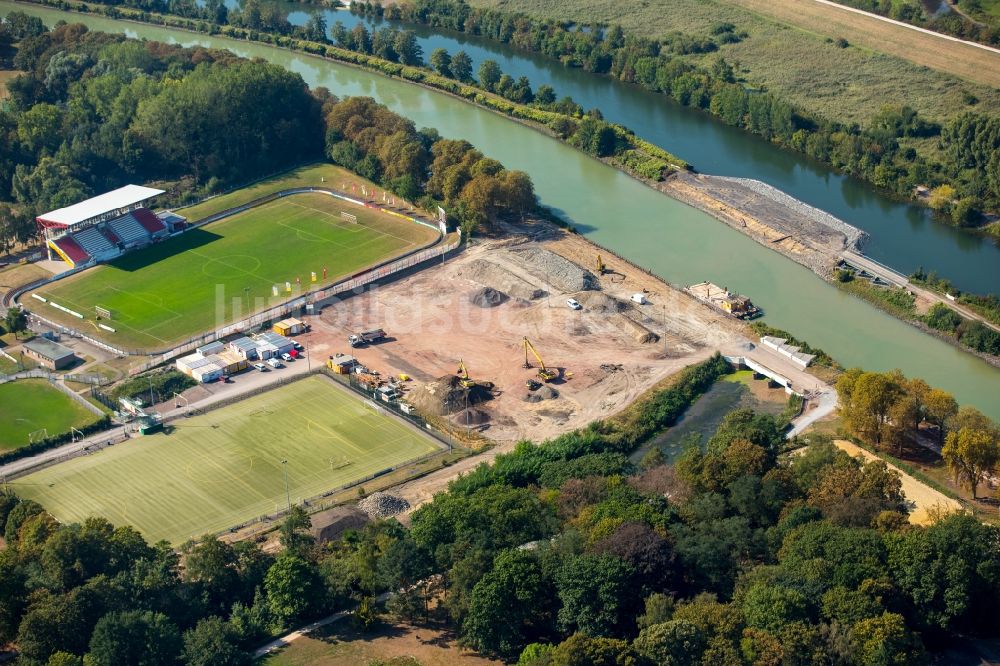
<point>901,281</point>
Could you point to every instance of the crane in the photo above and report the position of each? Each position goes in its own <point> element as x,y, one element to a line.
<point>463,375</point>
<point>546,374</point>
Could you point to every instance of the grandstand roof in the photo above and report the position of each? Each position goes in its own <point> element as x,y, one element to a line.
<point>102,203</point>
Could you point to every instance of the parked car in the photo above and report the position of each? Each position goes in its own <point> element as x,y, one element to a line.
<point>286,357</point>
<point>274,363</point>
<point>260,366</point>
<point>574,304</point>
<point>297,346</point>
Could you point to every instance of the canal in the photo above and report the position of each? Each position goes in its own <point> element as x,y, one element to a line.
<point>678,242</point>
<point>903,236</point>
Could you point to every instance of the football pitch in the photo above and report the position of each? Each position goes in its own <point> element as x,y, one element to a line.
<point>225,467</point>
<point>213,275</point>
<point>29,405</point>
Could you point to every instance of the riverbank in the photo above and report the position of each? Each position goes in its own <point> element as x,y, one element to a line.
<point>772,218</point>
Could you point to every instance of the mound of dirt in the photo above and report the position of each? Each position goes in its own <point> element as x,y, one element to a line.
<point>447,396</point>
<point>471,417</point>
<point>498,278</point>
<point>487,297</point>
<point>555,269</point>
<point>596,301</point>
<point>639,333</point>
<point>547,393</point>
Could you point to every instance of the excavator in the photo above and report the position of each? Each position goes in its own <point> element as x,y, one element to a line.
<point>545,374</point>
<point>602,268</point>
<point>463,375</point>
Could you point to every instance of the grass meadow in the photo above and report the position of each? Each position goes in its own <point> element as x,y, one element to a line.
<point>790,56</point>
<point>28,405</point>
<point>212,275</point>
<point>222,468</point>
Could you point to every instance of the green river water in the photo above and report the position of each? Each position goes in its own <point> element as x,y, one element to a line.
<point>676,241</point>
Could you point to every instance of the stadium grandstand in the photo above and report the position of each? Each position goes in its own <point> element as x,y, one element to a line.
<point>106,226</point>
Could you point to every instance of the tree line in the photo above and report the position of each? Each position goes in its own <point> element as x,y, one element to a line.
<point>873,153</point>
<point>889,410</point>
<point>94,110</point>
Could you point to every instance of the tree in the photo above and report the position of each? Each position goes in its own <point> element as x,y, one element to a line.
<point>771,607</point>
<point>886,641</point>
<point>294,589</point>
<point>545,95</point>
<point>441,61</point>
<point>949,573</point>
<point>134,638</point>
<point>596,593</point>
<point>461,66</point>
<point>211,565</point>
<point>315,27</point>
<point>294,532</point>
<point>16,320</point>
<point>510,606</point>
<point>406,45</point>
<point>489,74</point>
<point>213,643</point>
<point>673,643</point>
<point>972,454</point>
<point>866,399</point>
<point>940,407</point>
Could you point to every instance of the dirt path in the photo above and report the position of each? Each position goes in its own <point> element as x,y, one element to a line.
<point>919,495</point>
<point>944,53</point>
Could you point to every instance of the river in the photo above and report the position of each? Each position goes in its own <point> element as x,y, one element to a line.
<point>678,242</point>
<point>903,236</point>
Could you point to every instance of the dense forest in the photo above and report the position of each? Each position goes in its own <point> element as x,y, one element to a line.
<point>563,553</point>
<point>966,169</point>
<point>93,111</point>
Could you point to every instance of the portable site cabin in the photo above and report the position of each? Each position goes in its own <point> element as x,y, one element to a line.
<point>230,362</point>
<point>245,348</point>
<point>211,348</point>
<point>281,344</point>
<point>208,372</point>
<point>290,326</point>
<point>49,354</point>
<point>342,364</point>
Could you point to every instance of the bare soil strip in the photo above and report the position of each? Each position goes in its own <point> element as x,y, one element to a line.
<point>961,59</point>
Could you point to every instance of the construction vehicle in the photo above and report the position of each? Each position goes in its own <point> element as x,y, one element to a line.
<point>602,268</point>
<point>463,375</point>
<point>532,384</point>
<point>545,374</point>
<point>366,337</point>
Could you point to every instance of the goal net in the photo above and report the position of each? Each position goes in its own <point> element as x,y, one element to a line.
<point>344,215</point>
<point>103,312</point>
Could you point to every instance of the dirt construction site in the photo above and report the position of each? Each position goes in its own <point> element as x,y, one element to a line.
<point>479,306</point>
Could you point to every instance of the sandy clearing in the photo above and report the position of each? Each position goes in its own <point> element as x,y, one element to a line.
<point>957,58</point>
<point>921,496</point>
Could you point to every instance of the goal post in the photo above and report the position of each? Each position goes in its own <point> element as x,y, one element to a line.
<point>344,215</point>
<point>103,312</point>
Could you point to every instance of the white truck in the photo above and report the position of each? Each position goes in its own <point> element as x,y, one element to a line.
<point>366,337</point>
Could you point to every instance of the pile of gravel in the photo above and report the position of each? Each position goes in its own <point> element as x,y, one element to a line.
<point>556,270</point>
<point>383,505</point>
<point>487,297</point>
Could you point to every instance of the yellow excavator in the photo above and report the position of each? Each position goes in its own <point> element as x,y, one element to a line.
<point>463,375</point>
<point>546,374</point>
<point>602,268</point>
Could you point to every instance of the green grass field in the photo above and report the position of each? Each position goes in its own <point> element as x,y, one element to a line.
<point>223,468</point>
<point>195,282</point>
<point>28,405</point>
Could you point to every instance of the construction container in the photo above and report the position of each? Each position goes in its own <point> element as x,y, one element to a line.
<point>290,326</point>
